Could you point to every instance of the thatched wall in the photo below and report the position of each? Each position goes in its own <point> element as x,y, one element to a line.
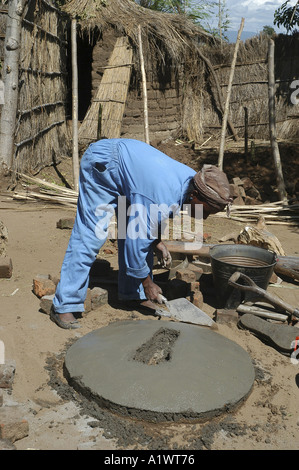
<point>41,136</point>
<point>250,87</point>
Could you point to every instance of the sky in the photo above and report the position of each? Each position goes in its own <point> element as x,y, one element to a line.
<point>257,14</point>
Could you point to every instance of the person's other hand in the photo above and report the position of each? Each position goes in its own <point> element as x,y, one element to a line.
<point>164,257</point>
<point>151,290</point>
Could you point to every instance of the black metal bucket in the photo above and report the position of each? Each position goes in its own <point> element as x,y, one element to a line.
<point>255,262</point>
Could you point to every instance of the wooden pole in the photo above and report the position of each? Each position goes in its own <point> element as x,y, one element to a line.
<point>75,104</point>
<point>146,129</point>
<point>246,132</point>
<point>11,81</point>
<point>272,123</point>
<point>228,93</point>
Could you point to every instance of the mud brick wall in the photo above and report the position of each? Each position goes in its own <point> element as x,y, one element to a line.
<point>164,113</point>
<point>163,96</point>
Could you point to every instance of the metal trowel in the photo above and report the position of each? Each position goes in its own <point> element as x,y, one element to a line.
<point>184,311</point>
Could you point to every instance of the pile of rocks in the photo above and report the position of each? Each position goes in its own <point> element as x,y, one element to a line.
<point>244,192</point>
<point>44,287</point>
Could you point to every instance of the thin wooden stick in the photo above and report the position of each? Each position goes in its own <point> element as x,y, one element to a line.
<point>272,124</point>
<point>228,93</point>
<point>75,105</point>
<point>146,130</point>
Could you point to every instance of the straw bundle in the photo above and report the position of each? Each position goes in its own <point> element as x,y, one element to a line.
<point>275,213</point>
<point>41,128</point>
<point>110,97</point>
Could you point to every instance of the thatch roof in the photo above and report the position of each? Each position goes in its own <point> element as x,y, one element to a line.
<point>175,32</point>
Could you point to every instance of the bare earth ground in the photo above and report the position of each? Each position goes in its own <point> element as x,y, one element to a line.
<point>60,419</point>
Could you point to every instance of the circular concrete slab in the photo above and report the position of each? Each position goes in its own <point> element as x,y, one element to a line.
<point>160,370</point>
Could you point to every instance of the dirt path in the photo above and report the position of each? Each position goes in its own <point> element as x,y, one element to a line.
<point>59,419</point>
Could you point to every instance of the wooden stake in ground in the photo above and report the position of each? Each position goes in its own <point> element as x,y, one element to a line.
<point>146,130</point>
<point>228,93</point>
<point>272,124</point>
<point>11,81</point>
<point>75,104</point>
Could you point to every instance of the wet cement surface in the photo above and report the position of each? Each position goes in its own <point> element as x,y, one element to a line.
<point>160,371</point>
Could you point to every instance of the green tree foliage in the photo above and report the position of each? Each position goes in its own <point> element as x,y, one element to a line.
<point>268,30</point>
<point>287,16</point>
<point>199,11</point>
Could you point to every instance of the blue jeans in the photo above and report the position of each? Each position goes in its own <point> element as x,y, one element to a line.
<point>99,185</point>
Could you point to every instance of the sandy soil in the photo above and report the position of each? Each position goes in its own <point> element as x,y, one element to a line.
<point>61,419</point>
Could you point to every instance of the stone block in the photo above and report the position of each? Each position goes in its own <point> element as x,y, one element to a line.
<point>247,183</point>
<point>42,286</point>
<point>5,267</point>
<point>234,190</point>
<point>99,297</point>
<point>54,278</point>
<point>197,270</point>
<point>237,181</point>
<point>7,374</point>
<point>46,303</point>
<point>12,426</point>
<point>66,223</point>
<point>197,299</point>
<point>194,286</point>
<point>239,201</point>
<point>186,275</point>
<point>1,397</point>
<point>226,316</point>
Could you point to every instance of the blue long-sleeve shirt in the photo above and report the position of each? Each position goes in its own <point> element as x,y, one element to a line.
<point>152,180</point>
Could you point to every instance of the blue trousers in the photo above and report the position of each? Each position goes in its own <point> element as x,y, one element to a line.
<point>99,187</point>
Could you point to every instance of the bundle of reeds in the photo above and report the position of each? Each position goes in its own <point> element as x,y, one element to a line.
<point>275,213</point>
<point>104,116</point>
<point>41,132</point>
<point>47,192</point>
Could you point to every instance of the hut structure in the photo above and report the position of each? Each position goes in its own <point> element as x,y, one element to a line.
<point>111,95</point>
<point>187,74</point>
<point>181,95</point>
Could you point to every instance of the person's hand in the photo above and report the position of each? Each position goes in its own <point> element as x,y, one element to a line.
<point>164,257</point>
<point>151,290</point>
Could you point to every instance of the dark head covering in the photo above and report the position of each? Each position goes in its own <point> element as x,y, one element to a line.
<point>213,186</point>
